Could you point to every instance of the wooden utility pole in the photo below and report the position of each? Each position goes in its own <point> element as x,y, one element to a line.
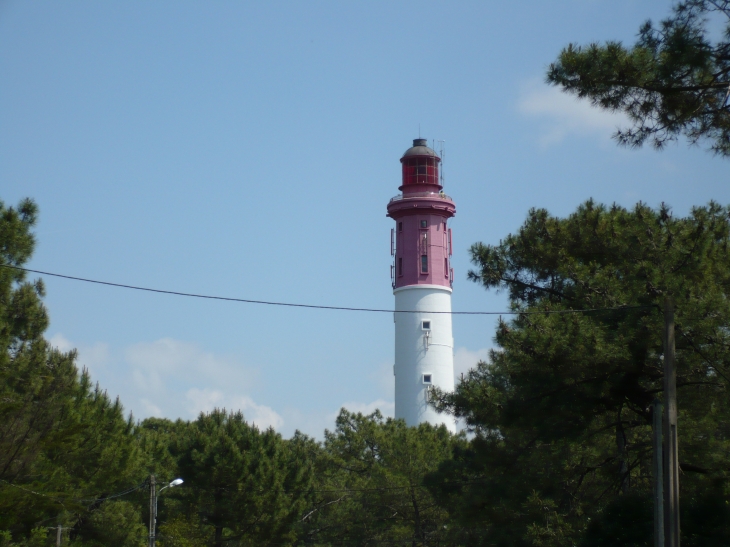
<point>658,475</point>
<point>59,531</point>
<point>153,506</point>
<point>671,453</point>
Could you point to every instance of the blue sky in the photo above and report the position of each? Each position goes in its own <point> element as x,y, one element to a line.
<point>249,149</point>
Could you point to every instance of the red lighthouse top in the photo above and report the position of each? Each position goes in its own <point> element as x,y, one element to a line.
<point>421,240</point>
<point>420,168</point>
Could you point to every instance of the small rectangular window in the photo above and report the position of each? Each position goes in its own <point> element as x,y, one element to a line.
<point>426,325</point>
<point>400,226</point>
<point>424,263</point>
<point>400,266</point>
<point>446,267</point>
<point>427,379</point>
<point>424,224</point>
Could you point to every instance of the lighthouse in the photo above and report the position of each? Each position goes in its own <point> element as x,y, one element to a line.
<point>422,279</point>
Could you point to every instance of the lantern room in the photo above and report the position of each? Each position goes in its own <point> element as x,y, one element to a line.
<point>420,168</point>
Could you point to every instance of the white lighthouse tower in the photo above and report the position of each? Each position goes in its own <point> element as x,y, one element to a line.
<point>422,278</point>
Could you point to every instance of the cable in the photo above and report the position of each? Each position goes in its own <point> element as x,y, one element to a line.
<point>120,494</point>
<point>315,306</point>
<point>57,500</point>
<point>69,500</point>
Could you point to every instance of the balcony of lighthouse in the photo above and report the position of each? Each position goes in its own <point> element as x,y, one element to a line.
<point>411,203</point>
<point>432,195</point>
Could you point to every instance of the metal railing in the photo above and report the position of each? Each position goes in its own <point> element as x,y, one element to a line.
<point>433,195</point>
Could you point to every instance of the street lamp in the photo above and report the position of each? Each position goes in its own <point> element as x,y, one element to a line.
<point>153,505</point>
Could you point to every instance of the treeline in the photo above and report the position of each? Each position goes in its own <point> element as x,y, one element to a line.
<point>559,445</point>
<point>69,457</point>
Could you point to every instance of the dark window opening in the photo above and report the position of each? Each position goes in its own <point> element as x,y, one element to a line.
<point>446,267</point>
<point>400,266</point>
<point>424,263</point>
<point>426,378</point>
<point>400,226</point>
<point>424,224</point>
<point>426,325</point>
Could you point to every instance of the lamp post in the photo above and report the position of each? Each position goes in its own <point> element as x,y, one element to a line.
<point>153,505</point>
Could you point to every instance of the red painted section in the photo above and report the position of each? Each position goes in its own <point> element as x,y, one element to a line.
<point>421,214</point>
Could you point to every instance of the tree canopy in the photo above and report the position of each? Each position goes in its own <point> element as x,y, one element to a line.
<point>64,445</point>
<point>560,416</point>
<point>561,413</point>
<point>371,488</point>
<point>673,81</point>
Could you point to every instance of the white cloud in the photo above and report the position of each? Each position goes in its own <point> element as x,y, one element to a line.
<point>465,359</point>
<point>205,400</point>
<point>387,408</point>
<point>261,415</point>
<point>180,362</point>
<point>174,379</point>
<point>94,357</point>
<point>563,114</point>
<point>385,380</point>
<point>151,409</point>
<point>318,423</point>
<point>313,422</point>
<point>59,341</point>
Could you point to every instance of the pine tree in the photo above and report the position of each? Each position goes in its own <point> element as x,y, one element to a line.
<point>371,489</point>
<point>561,413</point>
<point>673,81</point>
<point>63,442</point>
<point>243,485</point>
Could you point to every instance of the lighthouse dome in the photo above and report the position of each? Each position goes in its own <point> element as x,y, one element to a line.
<point>420,148</point>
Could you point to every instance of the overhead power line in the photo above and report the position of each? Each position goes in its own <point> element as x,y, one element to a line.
<point>315,306</point>
<point>61,500</point>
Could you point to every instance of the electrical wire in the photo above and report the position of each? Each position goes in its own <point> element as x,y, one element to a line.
<point>118,495</point>
<point>78,500</point>
<point>316,306</point>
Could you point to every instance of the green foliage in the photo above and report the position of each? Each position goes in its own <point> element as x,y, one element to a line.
<point>249,486</point>
<point>672,82</point>
<point>38,538</point>
<point>63,443</point>
<point>562,411</point>
<point>627,521</point>
<point>185,532</point>
<point>371,487</point>
<point>115,523</point>
<point>65,447</point>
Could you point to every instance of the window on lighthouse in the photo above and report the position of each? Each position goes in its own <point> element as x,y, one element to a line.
<point>424,263</point>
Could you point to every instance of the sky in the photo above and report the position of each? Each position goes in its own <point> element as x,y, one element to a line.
<point>249,149</point>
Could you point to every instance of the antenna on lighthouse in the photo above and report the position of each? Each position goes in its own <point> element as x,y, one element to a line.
<point>442,152</point>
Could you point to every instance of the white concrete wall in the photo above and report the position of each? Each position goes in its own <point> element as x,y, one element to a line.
<point>416,356</point>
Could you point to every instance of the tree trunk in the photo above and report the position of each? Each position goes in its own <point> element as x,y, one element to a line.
<point>622,455</point>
